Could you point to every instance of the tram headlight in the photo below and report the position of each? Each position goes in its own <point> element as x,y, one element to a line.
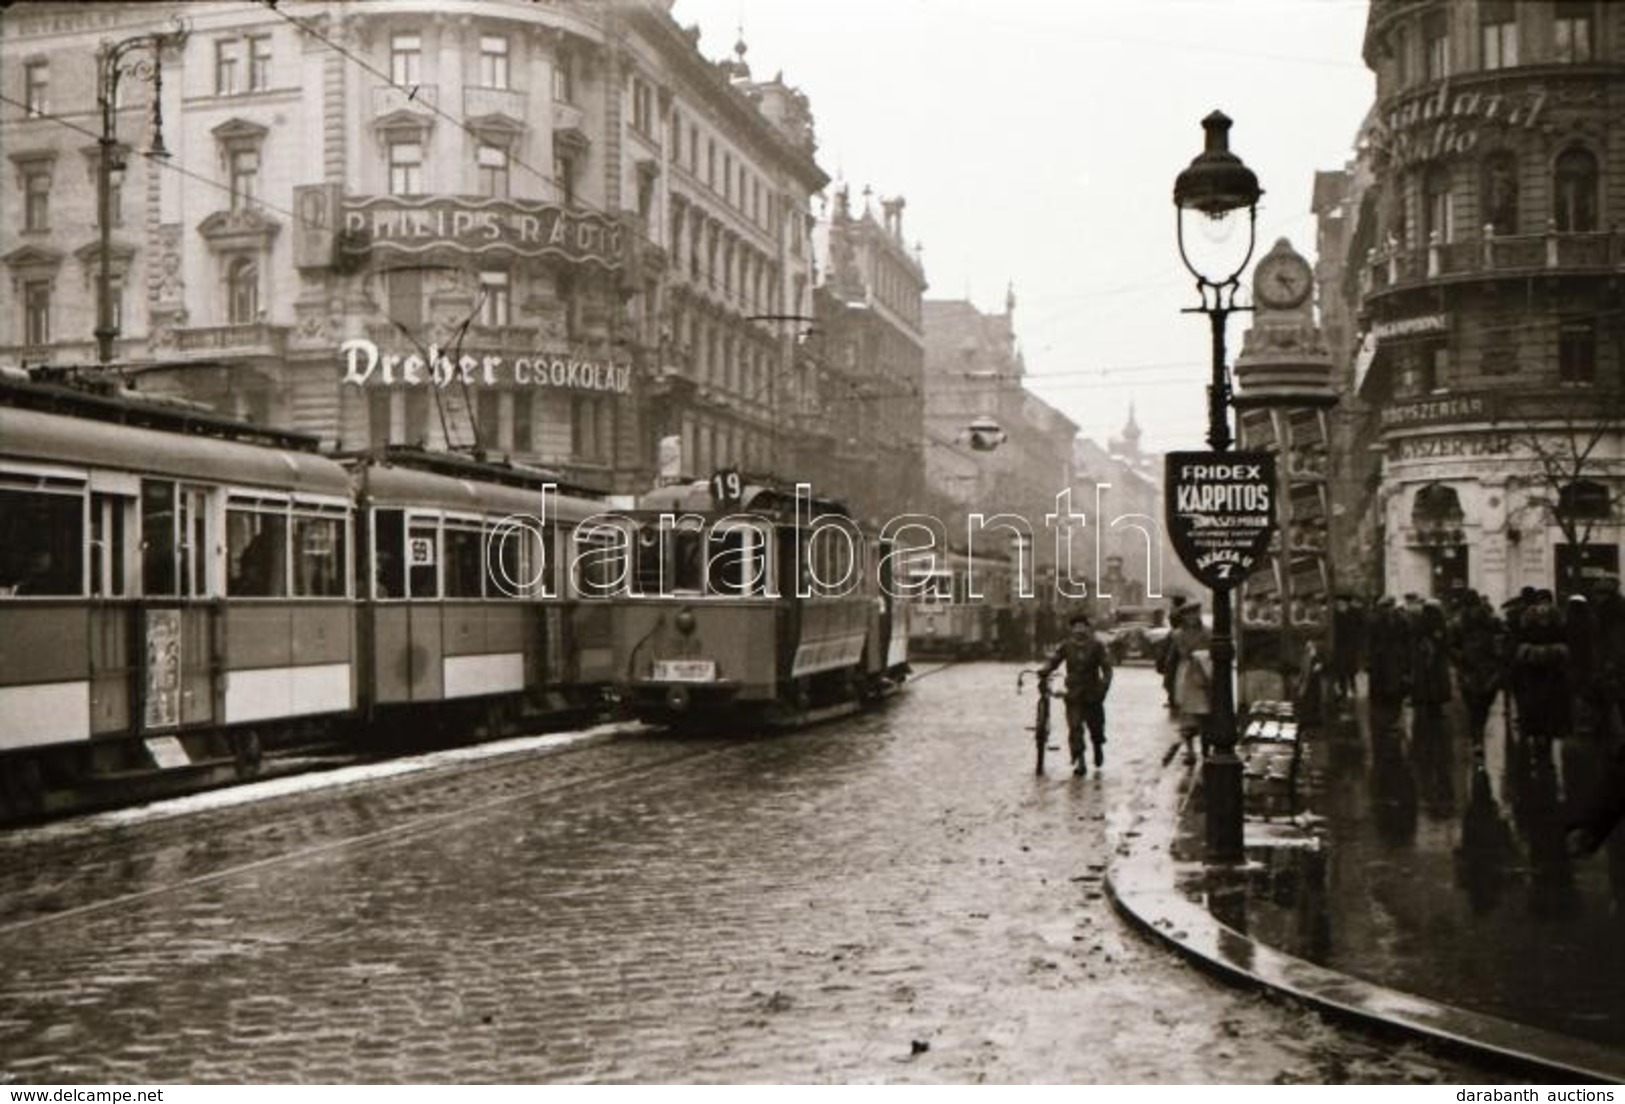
<point>677,699</point>
<point>685,621</point>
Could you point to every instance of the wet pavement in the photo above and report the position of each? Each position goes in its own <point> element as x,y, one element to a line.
<point>891,898</point>
<point>1431,866</point>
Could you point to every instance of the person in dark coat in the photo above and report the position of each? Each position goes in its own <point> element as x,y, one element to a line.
<point>1540,662</point>
<point>1389,659</point>
<point>1608,611</point>
<point>1430,660</point>
<point>1580,634</point>
<point>1478,650</point>
<point>1348,644</point>
<point>1088,681</point>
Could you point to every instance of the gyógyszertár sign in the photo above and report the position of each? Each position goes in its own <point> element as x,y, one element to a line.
<point>1220,510</point>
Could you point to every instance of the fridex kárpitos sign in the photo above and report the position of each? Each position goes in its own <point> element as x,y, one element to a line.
<point>1220,510</point>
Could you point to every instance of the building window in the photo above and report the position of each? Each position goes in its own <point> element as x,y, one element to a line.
<point>494,299</point>
<point>36,88</point>
<point>589,428</point>
<point>676,139</point>
<point>1574,192</point>
<point>37,312</point>
<point>493,164</point>
<point>227,58</point>
<point>1571,31</point>
<point>493,61</point>
<point>1436,33</point>
<point>727,177</point>
<point>406,168</point>
<point>564,174</point>
<point>524,435</point>
<point>37,200</point>
<point>1498,32</point>
<point>564,79</point>
<point>405,59</point>
<point>1500,193</point>
<point>242,292</point>
<point>694,150</point>
<point>1402,57</point>
<point>711,164</point>
<point>245,176</point>
<point>259,62</point>
<point>643,107</point>
<point>115,295</point>
<point>1577,352</point>
<point>488,419</point>
<point>1440,210</point>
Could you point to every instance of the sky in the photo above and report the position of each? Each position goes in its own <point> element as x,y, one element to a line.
<point>1037,141</point>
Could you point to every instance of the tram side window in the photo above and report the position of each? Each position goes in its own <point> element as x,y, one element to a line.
<point>257,551</point>
<point>599,565</point>
<point>464,569</point>
<point>423,558</point>
<point>517,564</point>
<point>388,567</point>
<point>158,576</point>
<point>41,543</point>
<point>108,545</point>
<point>318,568</point>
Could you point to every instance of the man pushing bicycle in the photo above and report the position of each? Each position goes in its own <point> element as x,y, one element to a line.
<point>1088,680</point>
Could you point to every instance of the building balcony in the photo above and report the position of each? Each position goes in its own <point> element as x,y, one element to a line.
<point>1596,253</point>
<point>389,100</point>
<point>487,103</point>
<point>253,339</point>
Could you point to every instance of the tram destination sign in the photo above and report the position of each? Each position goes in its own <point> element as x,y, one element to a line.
<point>1220,511</point>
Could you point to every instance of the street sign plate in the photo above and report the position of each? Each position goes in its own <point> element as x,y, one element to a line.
<point>685,670</point>
<point>1220,510</point>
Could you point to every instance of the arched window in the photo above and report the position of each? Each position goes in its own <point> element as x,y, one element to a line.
<point>243,292</point>
<point>1436,504</point>
<point>1574,191</point>
<point>1498,193</point>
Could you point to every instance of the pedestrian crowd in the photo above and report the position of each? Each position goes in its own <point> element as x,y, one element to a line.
<point>1561,667</point>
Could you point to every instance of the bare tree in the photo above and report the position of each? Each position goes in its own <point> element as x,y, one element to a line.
<point>1564,435</point>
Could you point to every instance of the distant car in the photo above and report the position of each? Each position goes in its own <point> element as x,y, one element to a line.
<point>1135,633</point>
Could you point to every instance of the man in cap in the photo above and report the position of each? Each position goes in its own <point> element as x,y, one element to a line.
<point>1088,680</point>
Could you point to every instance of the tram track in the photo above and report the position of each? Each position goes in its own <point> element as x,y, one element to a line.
<point>305,822</point>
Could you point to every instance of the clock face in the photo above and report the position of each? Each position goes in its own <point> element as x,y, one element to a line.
<point>1282,280</point>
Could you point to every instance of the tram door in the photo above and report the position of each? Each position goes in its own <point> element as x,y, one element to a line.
<point>177,638</point>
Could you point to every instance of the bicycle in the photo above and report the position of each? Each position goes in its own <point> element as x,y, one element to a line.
<point>1040,729</point>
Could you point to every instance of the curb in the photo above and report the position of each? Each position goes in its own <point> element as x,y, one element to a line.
<point>1140,882</point>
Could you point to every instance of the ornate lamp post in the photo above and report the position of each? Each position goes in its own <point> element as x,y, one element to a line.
<point>126,58</point>
<point>1210,195</point>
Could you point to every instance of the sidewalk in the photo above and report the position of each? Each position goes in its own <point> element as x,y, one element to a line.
<point>1421,888</point>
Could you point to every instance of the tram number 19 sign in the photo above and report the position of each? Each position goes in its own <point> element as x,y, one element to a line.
<point>1220,509</point>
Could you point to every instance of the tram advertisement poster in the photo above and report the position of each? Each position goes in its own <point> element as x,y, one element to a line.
<point>162,701</point>
<point>1220,512</point>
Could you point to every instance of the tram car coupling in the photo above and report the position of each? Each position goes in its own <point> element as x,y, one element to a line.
<point>181,594</point>
<point>773,608</point>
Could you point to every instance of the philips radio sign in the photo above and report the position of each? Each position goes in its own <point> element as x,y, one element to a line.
<point>1220,510</point>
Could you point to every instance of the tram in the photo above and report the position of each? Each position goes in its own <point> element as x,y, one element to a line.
<point>764,606</point>
<point>960,605</point>
<point>179,592</point>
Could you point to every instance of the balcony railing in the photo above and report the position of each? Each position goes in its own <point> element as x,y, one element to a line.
<point>481,102</point>
<point>388,99</point>
<point>1596,252</point>
<point>257,338</point>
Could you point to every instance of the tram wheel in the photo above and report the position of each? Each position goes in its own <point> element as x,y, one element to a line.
<point>24,787</point>
<point>249,755</point>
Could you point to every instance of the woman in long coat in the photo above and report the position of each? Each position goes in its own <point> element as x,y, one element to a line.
<point>1193,678</point>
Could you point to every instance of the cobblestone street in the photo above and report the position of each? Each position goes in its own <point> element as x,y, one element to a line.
<point>891,898</point>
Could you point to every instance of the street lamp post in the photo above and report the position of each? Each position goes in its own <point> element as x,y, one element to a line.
<point>1211,193</point>
<point>113,62</point>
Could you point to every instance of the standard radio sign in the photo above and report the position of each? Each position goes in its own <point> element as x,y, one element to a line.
<point>1220,510</point>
